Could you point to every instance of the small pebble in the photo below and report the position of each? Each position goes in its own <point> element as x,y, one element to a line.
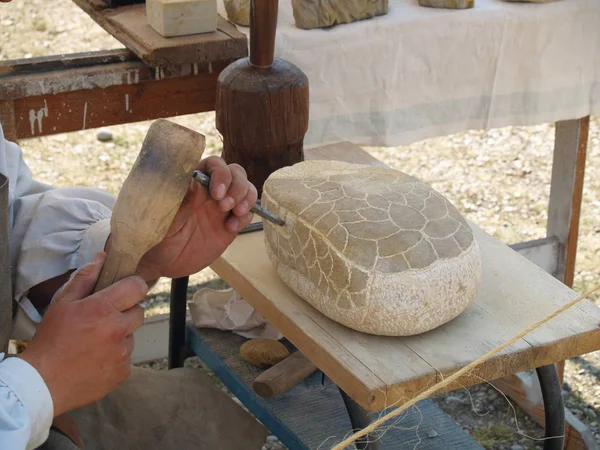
<point>432,434</point>
<point>104,135</point>
<point>516,447</point>
<point>263,352</point>
<point>453,400</point>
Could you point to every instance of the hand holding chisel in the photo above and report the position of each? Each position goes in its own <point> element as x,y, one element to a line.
<point>204,180</point>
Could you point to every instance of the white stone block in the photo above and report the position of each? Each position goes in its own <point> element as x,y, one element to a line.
<point>172,18</point>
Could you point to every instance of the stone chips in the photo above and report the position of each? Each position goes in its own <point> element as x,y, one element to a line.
<point>371,248</point>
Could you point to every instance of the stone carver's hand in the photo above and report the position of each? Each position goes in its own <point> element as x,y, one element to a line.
<point>83,345</point>
<point>206,223</point>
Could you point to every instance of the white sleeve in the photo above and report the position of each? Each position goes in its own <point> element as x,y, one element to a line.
<point>26,408</point>
<point>53,230</point>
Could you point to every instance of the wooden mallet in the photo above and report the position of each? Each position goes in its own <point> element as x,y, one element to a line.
<point>150,197</point>
<point>262,103</point>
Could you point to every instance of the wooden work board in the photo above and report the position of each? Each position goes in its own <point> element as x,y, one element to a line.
<point>129,25</point>
<point>378,372</point>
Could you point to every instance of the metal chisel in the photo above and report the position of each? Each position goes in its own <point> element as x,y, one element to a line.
<point>204,180</point>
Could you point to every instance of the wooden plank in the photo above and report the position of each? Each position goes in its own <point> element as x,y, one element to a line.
<point>84,109</point>
<point>128,24</point>
<point>60,62</point>
<point>16,85</point>
<point>566,190</point>
<point>379,371</point>
<point>542,252</point>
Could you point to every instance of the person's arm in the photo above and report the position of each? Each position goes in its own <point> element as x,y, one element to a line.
<point>80,352</point>
<point>52,232</point>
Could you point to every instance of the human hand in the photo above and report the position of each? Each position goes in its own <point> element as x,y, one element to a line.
<point>83,345</point>
<point>206,223</point>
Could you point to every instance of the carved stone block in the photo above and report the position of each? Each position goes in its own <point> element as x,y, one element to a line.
<point>449,4</point>
<point>327,13</point>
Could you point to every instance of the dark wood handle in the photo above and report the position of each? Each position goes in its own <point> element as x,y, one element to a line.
<point>283,376</point>
<point>263,24</point>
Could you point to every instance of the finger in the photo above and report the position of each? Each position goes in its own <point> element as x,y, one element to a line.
<point>129,344</point>
<point>134,318</point>
<point>238,190</point>
<point>244,206</point>
<point>123,294</point>
<point>82,281</point>
<point>235,224</point>
<point>220,176</point>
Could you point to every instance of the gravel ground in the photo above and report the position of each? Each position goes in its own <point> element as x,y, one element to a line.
<point>499,179</point>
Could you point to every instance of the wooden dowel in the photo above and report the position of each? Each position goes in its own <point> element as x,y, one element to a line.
<point>283,376</point>
<point>263,24</point>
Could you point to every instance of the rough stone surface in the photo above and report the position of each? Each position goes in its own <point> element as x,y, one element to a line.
<point>449,4</point>
<point>263,352</point>
<point>104,135</point>
<point>531,1</point>
<point>371,248</point>
<point>238,11</point>
<point>326,13</point>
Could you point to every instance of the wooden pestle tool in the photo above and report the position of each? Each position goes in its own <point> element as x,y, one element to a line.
<point>150,197</point>
<point>283,376</point>
<point>262,103</point>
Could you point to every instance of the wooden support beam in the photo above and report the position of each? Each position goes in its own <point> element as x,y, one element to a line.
<point>564,209</point>
<point>55,95</point>
<point>542,252</point>
<point>91,108</point>
<point>7,119</point>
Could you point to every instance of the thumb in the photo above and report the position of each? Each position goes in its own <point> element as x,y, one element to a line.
<point>82,281</point>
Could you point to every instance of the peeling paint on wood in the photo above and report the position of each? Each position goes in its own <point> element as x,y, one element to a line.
<point>37,117</point>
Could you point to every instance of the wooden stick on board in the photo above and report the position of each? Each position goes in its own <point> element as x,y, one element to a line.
<point>283,376</point>
<point>150,197</point>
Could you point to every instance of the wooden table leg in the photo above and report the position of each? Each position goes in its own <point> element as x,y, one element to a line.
<point>564,209</point>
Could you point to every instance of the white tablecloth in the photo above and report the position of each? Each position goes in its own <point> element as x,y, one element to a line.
<point>421,72</point>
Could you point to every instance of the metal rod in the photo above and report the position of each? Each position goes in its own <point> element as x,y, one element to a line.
<point>177,322</point>
<point>204,180</point>
<point>359,419</point>
<point>554,409</point>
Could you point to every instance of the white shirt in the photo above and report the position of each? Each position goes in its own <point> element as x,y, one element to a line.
<point>51,232</point>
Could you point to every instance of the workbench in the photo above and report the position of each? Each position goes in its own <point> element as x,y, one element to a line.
<point>558,78</point>
<point>375,373</point>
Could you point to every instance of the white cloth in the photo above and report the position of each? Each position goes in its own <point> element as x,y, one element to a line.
<point>226,310</point>
<point>51,232</point>
<point>420,72</point>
